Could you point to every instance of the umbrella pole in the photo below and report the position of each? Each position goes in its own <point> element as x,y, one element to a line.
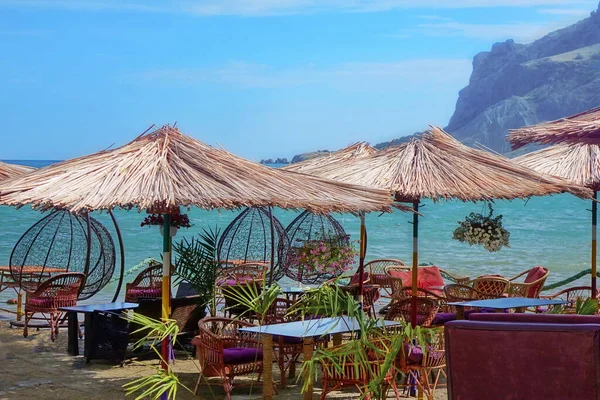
<point>166,285</point>
<point>415,264</point>
<point>594,220</point>
<point>361,258</point>
<point>270,281</point>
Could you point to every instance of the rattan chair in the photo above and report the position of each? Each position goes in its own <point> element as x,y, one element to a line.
<point>59,291</point>
<point>148,284</point>
<point>377,268</point>
<point>459,293</point>
<point>401,310</point>
<point>570,295</point>
<point>424,368</point>
<point>224,352</point>
<point>492,286</point>
<point>345,372</point>
<point>529,289</point>
<point>400,292</point>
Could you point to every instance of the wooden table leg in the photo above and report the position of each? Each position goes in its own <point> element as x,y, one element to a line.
<point>267,367</point>
<point>499,310</point>
<point>73,334</point>
<point>460,312</point>
<point>519,309</point>
<point>337,339</point>
<point>19,305</point>
<point>308,353</point>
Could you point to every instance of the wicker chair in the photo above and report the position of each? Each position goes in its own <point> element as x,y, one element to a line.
<point>424,368</point>
<point>377,271</point>
<point>235,276</point>
<point>400,292</point>
<point>527,289</point>
<point>401,310</point>
<point>345,373</point>
<point>148,284</point>
<point>492,286</point>
<point>570,295</point>
<point>459,293</point>
<point>225,352</point>
<point>59,291</point>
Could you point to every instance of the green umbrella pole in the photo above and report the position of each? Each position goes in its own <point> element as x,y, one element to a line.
<point>415,264</point>
<point>361,259</point>
<point>166,285</point>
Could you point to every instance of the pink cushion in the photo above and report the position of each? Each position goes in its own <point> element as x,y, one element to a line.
<point>429,277</point>
<point>534,274</point>
<point>41,302</point>
<point>145,292</point>
<point>238,280</point>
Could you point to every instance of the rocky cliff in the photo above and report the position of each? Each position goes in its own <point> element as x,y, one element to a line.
<point>514,85</point>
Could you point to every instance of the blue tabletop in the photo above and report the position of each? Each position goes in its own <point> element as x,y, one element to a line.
<point>90,308</point>
<point>505,303</point>
<point>313,327</point>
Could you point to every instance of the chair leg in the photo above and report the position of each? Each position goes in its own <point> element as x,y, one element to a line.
<point>27,318</point>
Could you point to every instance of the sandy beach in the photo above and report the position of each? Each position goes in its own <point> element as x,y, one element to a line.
<point>37,368</point>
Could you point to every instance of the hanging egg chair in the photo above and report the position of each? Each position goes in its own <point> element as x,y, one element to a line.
<point>59,243</point>
<point>320,249</point>
<point>248,239</point>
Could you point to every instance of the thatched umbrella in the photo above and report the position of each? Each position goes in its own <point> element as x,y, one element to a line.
<point>579,128</point>
<point>8,171</point>
<point>313,165</point>
<point>163,170</point>
<point>437,166</point>
<point>579,163</point>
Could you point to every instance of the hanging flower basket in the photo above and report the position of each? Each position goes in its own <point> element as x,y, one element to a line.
<point>317,257</point>
<point>486,231</point>
<point>177,221</point>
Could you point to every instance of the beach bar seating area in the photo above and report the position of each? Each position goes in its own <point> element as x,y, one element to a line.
<point>261,310</point>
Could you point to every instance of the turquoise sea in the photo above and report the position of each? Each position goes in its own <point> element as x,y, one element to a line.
<point>553,231</point>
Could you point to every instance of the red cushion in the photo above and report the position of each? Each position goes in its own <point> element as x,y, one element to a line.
<point>406,276</point>
<point>429,277</point>
<point>534,274</point>
<point>355,280</point>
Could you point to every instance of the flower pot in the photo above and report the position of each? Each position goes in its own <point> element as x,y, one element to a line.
<point>173,230</point>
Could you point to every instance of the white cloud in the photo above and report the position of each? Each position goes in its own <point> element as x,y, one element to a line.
<point>349,76</point>
<point>522,32</point>
<point>565,11</point>
<point>283,7</point>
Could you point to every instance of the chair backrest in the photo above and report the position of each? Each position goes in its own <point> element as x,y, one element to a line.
<point>65,285</point>
<point>279,312</point>
<point>492,286</point>
<point>376,269</point>
<point>570,295</point>
<point>402,309</point>
<point>510,360</point>
<point>150,276</point>
<point>457,292</point>
<point>244,272</point>
<point>226,329</point>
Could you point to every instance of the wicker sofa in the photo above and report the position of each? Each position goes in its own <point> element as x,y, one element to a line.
<point>523,356</point>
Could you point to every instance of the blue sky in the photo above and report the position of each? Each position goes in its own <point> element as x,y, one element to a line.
<point>262,78</point>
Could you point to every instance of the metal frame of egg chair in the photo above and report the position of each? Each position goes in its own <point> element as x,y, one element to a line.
<point>295,227</point>
<point>273,251</point>
<point>61,228</point>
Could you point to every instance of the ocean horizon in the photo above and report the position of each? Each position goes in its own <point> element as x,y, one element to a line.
<point>553,231</point>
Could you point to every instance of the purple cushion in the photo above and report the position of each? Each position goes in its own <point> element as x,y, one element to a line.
<point>442,317</point>
<point>287,339</point>
<point>241,280</point>
<point>242,355</point>
<point>414,354</point>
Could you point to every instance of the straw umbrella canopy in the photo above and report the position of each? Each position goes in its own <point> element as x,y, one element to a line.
<point>8,171</point>
<point>163,170</point>
<point>578,163</point>
<point>437,166</point>
<point>579,128</point>
<point>313,165</point>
